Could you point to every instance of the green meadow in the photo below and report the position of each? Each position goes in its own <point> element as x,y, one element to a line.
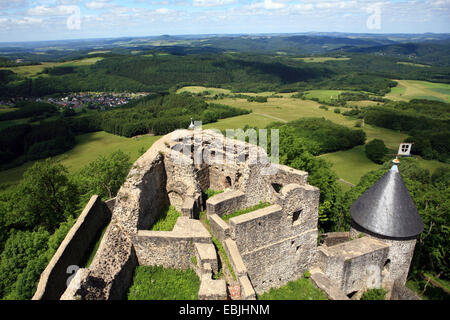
<point>89,147</point>
<point>413,89</point>
<point>323,95</point>
<point>414,64</point>
<point>34,70</point>
<point>321,59</point>
<point>350,165</point>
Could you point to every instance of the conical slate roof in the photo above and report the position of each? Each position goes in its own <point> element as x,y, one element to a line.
<point>387,208</point>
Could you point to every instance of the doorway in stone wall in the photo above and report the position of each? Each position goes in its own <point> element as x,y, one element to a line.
<point>227,183</point>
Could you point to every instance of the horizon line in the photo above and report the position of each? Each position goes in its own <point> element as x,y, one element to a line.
<point>225,34</point>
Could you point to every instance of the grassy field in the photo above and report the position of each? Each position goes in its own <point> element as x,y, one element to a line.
<point>200,89</point>
<point>323,95</point>
<point>413,64</point>
<point>99,51</point>
<point>214,91</point>
<point>158,283</point>
<point>321,59</point>
<point>300,289</point>
<point>257,120</point>
<point>32,71</point>
<point>350,165</point>
<point>431,165</point>
<point>413,89</point>
<point>362,103</point>
<point>89,147</point>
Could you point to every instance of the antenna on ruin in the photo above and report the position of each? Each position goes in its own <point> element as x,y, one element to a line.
<point>192,126</point>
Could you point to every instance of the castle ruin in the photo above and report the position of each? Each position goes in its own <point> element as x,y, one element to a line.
<point>267,248</point>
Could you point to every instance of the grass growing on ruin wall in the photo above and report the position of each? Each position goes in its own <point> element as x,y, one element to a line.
<point>211,193</point>
<point>300,289</point>
<point>261,205</point>
<point>166,220</point>
<point>374,294</point>
<point>222,252</point>
<point>219,248</point>
<point>158,283</point>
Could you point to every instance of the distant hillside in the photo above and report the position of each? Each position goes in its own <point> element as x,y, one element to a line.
<point>437,53</point>
<point>428,47</point>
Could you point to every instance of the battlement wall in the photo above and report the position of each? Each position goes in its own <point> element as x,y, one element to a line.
<point>74,249</point>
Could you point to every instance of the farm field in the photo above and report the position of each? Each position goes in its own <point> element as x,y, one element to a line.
<point>413,89</point>
<point>200,89</point>
<point>99,51</point>
<point>89,147</point>
<point>362,103</point>
<point>323,95</point>
<point>413,64</point>
<point>32,71</point>
<point>287,109</point>
<point>321,59</point>
<point>214,91</point>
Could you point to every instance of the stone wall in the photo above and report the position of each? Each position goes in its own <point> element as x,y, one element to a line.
<point>278,243</point>
<point>143,195</point>
<point>333,238</point>
<point>219,228</point>
<point>74,250</point>
<point>354,265</point>
<point>399,257</point>
<point>170,249</point>
<point>139,202</point>
<point>226,203</point>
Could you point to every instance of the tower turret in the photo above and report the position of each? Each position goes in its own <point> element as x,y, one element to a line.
<point>387,212</point>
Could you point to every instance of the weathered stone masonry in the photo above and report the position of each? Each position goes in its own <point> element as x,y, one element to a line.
<point>267,248</point>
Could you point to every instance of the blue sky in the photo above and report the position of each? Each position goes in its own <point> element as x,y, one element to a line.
<point>26,20</point>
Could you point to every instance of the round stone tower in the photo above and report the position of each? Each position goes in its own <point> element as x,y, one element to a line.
<point>387,212</point>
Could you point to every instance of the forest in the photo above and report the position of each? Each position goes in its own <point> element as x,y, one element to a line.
<point>239,72</point>
<point>427,122</point>
<point>323,136</point>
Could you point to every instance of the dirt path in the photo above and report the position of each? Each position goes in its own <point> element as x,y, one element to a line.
<point>272,117</point>
<point>346,182</point>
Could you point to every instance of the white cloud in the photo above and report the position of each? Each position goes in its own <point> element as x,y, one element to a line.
<point>162,11</point>
<point>27,21</point>
<point>51,11</point>
<point>268,4</point>
<point>304,6</point>
<point>212,3</point>
<point>96,5</point>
